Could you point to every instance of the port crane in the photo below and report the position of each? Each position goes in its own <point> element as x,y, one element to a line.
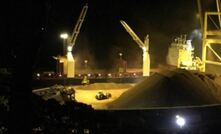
<point>68,61</point>
<point>211,36</point>
<point>143,45</point>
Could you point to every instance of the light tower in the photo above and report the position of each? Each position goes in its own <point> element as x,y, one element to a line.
<point>85,64</point>
<point>120,54</point>
<point>143,45</point>
<point>64,36</point>
<point>62,59</point>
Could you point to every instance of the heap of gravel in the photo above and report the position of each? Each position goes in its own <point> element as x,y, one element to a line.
<point>170,89</point>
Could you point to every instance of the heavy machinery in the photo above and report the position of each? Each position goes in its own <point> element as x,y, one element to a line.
<point>211,28</point>
<point>68,59</point>
<point>143,45</point>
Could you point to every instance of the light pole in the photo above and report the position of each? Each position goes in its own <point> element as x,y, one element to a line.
<point>85,64</point>
<point>120,54</point>
<point>120,64</point>
<point>64,36</point>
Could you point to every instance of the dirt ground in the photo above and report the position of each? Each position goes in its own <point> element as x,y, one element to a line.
<point>86,94</point>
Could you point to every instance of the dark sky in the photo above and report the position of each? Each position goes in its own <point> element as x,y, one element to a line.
<point>102,37</point>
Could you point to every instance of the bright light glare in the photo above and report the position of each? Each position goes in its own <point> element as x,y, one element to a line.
<point>189,45</point>
<point>69,48</point>
<point>180,121</point>
<point>64,36</point>
<point>38,75</point>
<point>85,61</point>
<point>144,49</point>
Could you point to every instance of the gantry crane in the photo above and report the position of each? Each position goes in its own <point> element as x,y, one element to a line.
<point>210,36</point>
<point>143,45</point>
<point>68,61</point>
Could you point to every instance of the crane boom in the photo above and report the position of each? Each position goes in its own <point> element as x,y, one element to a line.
<point>144,46</point>
<point>78,26</point>
<point>132,34</point>
<point>218,10</point>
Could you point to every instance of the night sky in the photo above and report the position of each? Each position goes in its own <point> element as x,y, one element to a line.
<point>102,36</point>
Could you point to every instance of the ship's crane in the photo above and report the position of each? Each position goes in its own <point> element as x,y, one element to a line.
<point>69,62</point>
<point>143,45</point>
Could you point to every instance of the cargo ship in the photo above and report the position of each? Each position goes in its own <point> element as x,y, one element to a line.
<point>181,54</point>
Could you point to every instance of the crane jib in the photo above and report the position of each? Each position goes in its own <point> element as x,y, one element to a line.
<point>78,25</point>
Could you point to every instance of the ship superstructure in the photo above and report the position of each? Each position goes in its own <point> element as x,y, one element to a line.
<point>181,54</point>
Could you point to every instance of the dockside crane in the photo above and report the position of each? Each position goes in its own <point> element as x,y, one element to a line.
<point>143,45</point>
<point>72,41</point>
<point>211,36</point>
<point>68,61</point>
